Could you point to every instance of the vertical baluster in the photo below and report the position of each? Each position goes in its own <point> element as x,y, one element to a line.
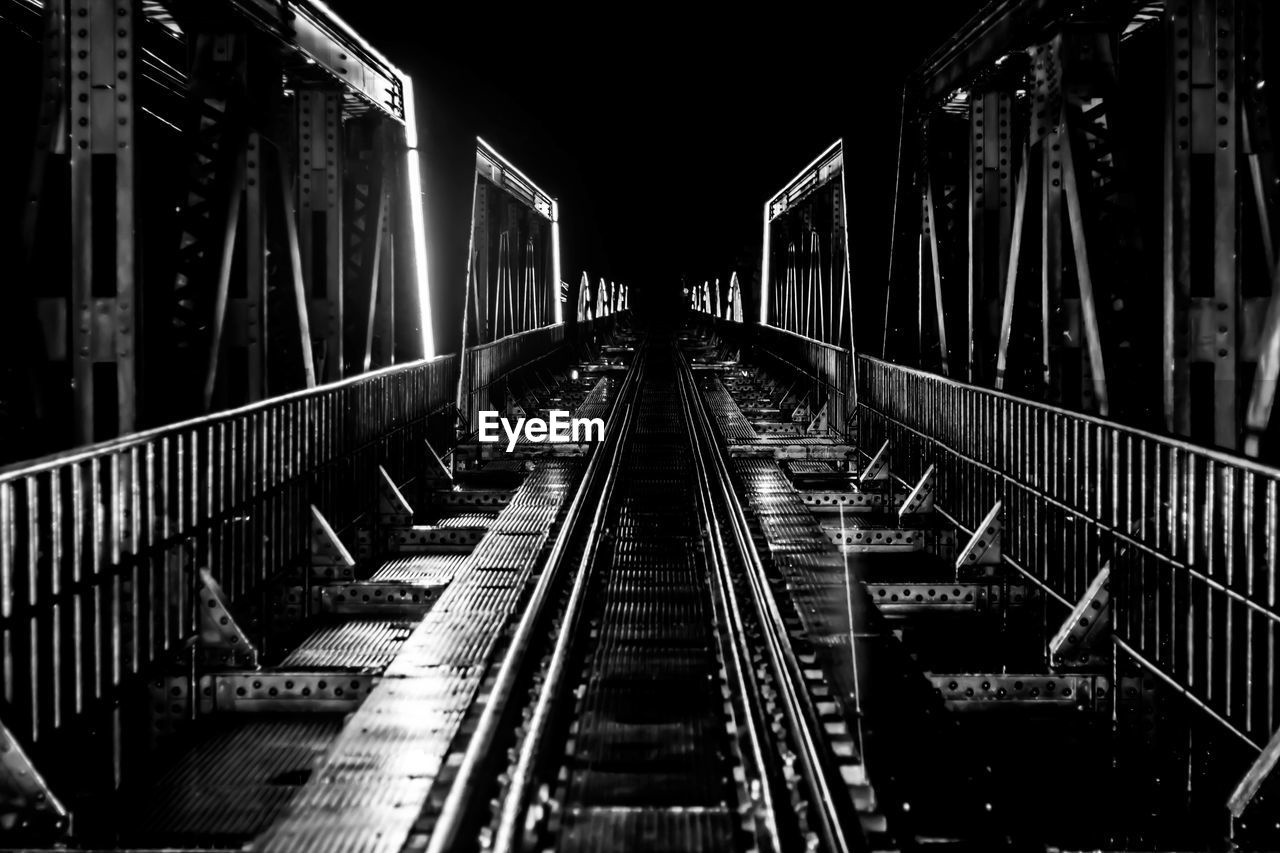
<point>8,558</point>
<point>155,512</point>
<point>1249,564</point>
<point>175,481</point>
<point>104,581</point>
<point>35,522</point>
<point>1227,534</point>
<point>66,566</point>
<point>111,557</point>
<point>132,545</point>
<point>1271,545</point>
<point>1139,487</point>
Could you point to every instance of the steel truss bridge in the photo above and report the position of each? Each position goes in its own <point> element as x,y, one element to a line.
<point>983,559</point>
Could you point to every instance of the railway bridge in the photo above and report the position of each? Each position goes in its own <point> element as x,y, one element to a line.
<point>983,556</point>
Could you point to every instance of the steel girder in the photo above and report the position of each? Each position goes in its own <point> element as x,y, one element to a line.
<point>512,284</point>
<point>511,281</point>
<point>1148,222</point>
<point>368,256</point>
<point>88,320</point>
<point>260,226</point>
<point>805,281</point>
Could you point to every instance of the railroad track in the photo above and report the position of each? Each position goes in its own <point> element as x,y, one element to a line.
<point>650,684</point>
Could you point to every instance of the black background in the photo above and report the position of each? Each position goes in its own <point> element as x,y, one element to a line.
<point>661,130</point>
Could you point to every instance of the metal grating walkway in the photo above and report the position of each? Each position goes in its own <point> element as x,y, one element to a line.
<point>369,789</point>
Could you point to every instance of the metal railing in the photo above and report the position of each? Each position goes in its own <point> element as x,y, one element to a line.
<point>484,385</point>
<point>829,366</point>
<point>100,547</point>
<point>492,361</point>
<point>1191,535</point>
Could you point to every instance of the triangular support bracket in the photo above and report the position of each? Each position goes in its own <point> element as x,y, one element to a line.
<point>1076,642</point>
<point>438,470</point>
<point>330,559</point>
<point>818,425</point>
<point>983,549</point>
<point>28,808</point>
<point>877,469</point>
<point>786,395</point>
<point>920,500</point>
<point>393,509</point>
<point>223,644</point>
<point>1257,773</point>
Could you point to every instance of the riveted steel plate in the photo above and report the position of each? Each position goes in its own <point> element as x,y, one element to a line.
<point>820,501</point>
<point>983,692</point>
<point>931,597</point>
<point>283,690</point>
<point>377,597</point>
<point>471,497</point>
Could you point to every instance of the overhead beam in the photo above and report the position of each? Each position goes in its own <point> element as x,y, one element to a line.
<point>826,167</point>
<point>500,172</point>
<point>988,35</point>
<point>312,30</point>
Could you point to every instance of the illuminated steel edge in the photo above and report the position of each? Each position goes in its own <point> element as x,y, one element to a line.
<point>332,44</point>
<point>322,37</point>
<point>825,168</point>
<point>324,40</point>
<point>499,171</point>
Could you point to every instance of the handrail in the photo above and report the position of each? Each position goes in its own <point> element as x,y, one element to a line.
<point>114,532</point>
<point>491,361</point>
<point>1192,533</point>
<point>1216,454</point>
<point>28,467</point>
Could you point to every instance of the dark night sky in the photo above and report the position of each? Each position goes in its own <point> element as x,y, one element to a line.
<point>660,132</point>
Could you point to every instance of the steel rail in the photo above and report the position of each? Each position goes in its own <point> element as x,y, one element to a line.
<point>469,778</point>
<point>513,803</point>
<point>722,583</point>
<point>797,704</point>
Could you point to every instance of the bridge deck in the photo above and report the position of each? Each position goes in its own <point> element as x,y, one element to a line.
<point>429,655</point>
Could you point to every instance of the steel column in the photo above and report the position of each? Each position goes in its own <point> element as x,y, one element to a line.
<point>101,310</point>
<point>1011,268</point>
<point>249,327</point>
<point>1201,334</point>
<point>479,278</point>
<point>1084,275</point>
<point>990,222</point>
<point>297,279</point>
<point>320,230</point>
<point>931,235</point>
